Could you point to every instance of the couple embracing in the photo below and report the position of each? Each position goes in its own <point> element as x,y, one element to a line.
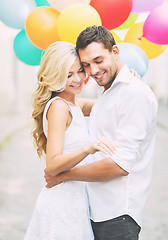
<point>98,175</point>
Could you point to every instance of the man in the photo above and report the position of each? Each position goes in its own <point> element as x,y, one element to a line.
<point>126,114</point>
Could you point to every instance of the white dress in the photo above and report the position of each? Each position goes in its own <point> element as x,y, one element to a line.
<point>62,212</point>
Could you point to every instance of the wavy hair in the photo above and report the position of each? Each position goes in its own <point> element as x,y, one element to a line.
<point>52,78</point>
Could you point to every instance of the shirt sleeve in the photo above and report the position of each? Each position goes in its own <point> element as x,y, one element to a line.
<point>136,114</point>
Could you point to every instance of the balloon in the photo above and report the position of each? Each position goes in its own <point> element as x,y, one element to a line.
<point>116,37</point>
<point>156,25</point>
<point>25,50</point>
<point>134,57</point>
<point>145,5</point>
<point>112,12</point>
<point>74,19</point>
<point>40,3</point>
<point>14,13</point>
<point>86,80</point>
<point>41,26</point>
<point>130,20</point>
<point>135,35</point>
<point>60,5</point>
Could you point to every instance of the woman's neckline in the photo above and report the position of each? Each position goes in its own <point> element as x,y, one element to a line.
<point>70,103</point>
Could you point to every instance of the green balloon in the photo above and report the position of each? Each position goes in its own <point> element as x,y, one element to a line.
<point>130,20</point>
<point>40,3</point>
<point>25,50</point>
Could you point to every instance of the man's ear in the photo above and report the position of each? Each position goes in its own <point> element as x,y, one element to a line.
<point>115,50</point>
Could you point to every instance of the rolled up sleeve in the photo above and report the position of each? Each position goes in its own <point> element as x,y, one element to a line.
<point>136,114</point>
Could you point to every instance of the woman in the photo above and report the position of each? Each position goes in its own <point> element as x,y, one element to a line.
<point>61,133</point>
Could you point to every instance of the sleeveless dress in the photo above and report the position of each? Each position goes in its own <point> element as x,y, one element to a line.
<point>62,212</point>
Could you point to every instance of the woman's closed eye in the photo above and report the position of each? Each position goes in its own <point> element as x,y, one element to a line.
<point>81,70</point>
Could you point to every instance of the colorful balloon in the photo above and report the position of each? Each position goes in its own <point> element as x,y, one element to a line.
<point>25,50</point>
<point>135,36</point>
<point>61,5</point>
<point>41,26</point>
<point>74,19</point>
<point>112,12</point>
<point>14,13</point>
<point>134,57</point>
<point>145,5</point>
<point>86,80</point>
<point>130,20</point>
<point>40,3</point>
<point>156,25</point>
<point>116,37</point>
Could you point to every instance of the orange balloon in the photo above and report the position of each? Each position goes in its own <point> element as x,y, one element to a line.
<point>135,36</point>
<point>41,27</point>
<point>60,5</point>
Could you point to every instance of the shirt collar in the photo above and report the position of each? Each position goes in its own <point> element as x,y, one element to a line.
<point>123,76</point>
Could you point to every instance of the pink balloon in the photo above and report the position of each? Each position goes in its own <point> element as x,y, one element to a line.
<point>145,5</point>
<point>156,25</point>
<point>61,4</point>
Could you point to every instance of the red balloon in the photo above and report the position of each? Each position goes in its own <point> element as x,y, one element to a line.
<point>86,79</point>
<point>112,12</point>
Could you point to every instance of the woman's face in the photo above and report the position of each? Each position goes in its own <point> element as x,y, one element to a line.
<point>76,78</point>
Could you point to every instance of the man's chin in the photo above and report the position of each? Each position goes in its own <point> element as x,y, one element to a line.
<point>100,83</point>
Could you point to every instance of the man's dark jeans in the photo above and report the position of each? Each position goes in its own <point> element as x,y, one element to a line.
<point>120,228</point>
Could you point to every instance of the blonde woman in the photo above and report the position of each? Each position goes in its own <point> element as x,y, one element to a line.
<point>61,133</point>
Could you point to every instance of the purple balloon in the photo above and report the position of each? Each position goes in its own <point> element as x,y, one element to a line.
<point>155,27</point>
<point>145,5</point>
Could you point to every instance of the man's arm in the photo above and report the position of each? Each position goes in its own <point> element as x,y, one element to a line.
<point>100,171</point>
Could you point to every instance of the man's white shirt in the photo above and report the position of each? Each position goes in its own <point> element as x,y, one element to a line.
<point>125,114</point>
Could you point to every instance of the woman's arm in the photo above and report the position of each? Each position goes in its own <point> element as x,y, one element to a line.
<point>86,105</point>
<point>59,118</point>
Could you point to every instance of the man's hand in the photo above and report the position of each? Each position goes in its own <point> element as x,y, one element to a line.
<point>52,180</point>
<point>134,72</point>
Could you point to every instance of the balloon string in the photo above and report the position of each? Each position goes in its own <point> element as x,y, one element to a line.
<point>140,38</point>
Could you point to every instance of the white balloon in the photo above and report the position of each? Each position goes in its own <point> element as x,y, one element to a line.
<point>13,13</point>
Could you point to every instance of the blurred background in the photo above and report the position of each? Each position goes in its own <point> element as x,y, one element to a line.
<point>21,171</point>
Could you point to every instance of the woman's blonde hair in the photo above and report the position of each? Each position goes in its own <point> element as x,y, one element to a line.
<point>52,77</point>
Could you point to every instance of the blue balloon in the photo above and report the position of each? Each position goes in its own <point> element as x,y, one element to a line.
<point>25,49</point>
<point>13,13</point>
<point>42,3</point>
<point>134,57</point>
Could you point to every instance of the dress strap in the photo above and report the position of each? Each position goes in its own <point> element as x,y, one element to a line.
<point>45,121</point>
<point>53,99</point>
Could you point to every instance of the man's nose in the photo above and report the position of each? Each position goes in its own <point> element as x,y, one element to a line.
<point>93,69</point>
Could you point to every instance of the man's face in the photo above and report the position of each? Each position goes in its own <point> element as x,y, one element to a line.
<point>99,63</point>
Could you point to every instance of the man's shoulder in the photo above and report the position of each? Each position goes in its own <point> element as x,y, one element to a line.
<point>138,91</point>
<point>137,86</point>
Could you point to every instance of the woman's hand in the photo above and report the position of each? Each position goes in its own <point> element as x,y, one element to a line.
<point>52,180</point>
<point>102,144</point>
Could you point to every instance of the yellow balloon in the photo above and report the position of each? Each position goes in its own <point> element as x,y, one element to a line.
<point>74,19</point>
<point>116,37</point>
<point>135,36</point>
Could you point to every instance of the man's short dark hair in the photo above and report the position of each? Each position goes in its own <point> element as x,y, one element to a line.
<point>95,34</point>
